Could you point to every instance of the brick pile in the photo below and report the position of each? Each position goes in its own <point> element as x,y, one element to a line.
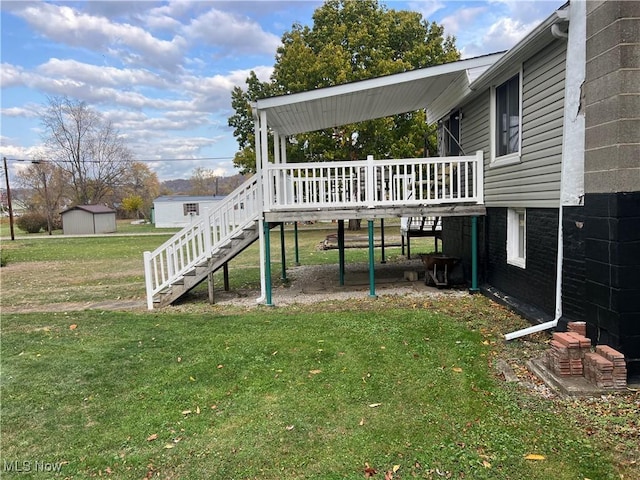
<point>619,372</point>
<point>578,327</point>
<point>571,355</point>
<point>567,351</point>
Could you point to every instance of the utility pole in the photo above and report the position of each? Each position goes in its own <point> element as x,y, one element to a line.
<point>6,177</point>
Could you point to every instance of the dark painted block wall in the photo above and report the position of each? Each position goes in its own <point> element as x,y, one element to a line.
<point>534,285</point>
<point>612,251</point>
<point>573,266</point>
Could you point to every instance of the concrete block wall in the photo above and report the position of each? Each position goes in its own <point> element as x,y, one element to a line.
<point>612,176</point>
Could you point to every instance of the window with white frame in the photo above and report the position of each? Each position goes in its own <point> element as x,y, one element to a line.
<point>190,208</point>
<point>507,121</point>
<point>517,237</point>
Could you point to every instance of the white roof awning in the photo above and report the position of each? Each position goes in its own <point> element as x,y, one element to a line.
<point>369,99</point>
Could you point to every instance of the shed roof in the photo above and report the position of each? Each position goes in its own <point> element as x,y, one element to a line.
<point>368,99</point>
<point>189,198</point>
<point>96,209</point>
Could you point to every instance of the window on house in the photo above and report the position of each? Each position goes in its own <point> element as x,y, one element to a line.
<point>507,118</point>
<point>517,237</point>
<point>191,208</point>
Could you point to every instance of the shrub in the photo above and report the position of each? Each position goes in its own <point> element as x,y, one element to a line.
<point>31,222</point>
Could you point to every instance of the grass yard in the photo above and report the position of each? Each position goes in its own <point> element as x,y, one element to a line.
<point>274,394</point>
<point>316,391</point>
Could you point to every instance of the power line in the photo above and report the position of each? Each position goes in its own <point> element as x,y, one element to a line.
<point>145,160</point>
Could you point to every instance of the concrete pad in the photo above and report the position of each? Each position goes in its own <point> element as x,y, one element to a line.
<point>566,386</point>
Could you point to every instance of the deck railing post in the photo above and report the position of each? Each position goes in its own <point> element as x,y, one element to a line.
<point>148,279</point>
<point>371,183</point>
<point>480,177</point>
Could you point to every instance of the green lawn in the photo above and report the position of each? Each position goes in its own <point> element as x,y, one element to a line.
<point>274,394</point>
<point>200,391</point>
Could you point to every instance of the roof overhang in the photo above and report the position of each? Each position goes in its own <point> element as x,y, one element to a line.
<point>369,99</point>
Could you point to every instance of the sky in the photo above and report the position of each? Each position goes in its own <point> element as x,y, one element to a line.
<point>162,71</point>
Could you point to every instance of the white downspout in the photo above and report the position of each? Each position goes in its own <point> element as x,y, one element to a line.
<point>572,173</point>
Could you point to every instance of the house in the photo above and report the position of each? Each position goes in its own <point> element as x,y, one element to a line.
<point>88,220</point>
<point>558,117</point>
<point>170,211</point>
<point>537,186</point>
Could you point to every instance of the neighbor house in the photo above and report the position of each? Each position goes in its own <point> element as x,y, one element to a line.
<point>88,220</point>
<point>170,211</point>
<point>537,186</point>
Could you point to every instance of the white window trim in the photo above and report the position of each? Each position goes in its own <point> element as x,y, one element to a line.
<point>511,158</point>
<point>513,237</point>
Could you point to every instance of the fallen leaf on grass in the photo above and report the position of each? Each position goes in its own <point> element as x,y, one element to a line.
<point>374,405</point>
<point>534,456</point>
<point>315,372</point>
<point>186,412</point>
<point>368,471</point>
<point>486,464</point>
<point>290,427</point>
<point>220,366</point>
<point>361,422</point>
<point>396,468</point>
<point>198,410</point>
<point>169,445</point>
<point>192,379</point>
<point>73,326</point>
<point>457,369</point>
<point>152,437</point>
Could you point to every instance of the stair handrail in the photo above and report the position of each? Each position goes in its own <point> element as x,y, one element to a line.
<point>196,242</point>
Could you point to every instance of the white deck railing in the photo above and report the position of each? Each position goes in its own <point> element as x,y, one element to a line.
<point>198,241</point>
<point>371,183</point>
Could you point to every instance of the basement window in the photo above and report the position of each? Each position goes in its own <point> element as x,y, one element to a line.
<point>517,237</point>
<point>191,208</point>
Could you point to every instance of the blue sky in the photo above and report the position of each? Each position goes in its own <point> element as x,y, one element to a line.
<point>163,72</point>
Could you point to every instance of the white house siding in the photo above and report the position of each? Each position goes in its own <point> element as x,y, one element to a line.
<point>169,211</point>
<point>535,181</point>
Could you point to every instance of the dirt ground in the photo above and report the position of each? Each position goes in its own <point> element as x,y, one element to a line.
<point>305,284</point>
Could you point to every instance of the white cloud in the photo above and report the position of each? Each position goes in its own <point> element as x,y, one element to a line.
<point>426,7</point>
<point>11,75</point>
<point>100,75</point>
<point>461,19</point>
<point>502,35</point>
<point>66,25</point>
<point>236,34</point>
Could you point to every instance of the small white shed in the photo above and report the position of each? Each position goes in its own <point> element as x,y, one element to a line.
<point>88,220</point>
<point>170,211</point>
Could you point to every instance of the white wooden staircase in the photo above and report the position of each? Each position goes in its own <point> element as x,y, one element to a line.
<point>186,259</point>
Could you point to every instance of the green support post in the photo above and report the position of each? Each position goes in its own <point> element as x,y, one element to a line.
<point>341,250</point>
<point>295,240</point>
<point>372,262</point>
<point>383,260</point>
<point>283,254</point>
<point>474,255</point>
<point>267,264</point>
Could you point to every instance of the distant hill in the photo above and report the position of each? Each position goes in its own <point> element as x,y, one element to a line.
<point>182,186</point>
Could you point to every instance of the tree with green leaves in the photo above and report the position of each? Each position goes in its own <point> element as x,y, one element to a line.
<point>349,41</point>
